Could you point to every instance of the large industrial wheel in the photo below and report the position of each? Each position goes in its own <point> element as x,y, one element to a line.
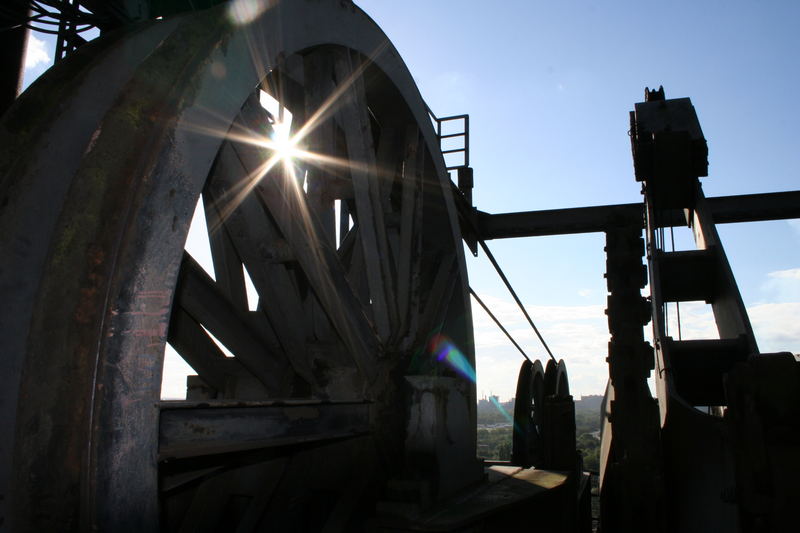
<point>103,162</point>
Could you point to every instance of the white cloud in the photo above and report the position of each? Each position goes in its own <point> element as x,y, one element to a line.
<point>579,335</point>
<point>782,286</point>
<point>777,326</point>
<point>697,321</point>
<point>37,53</point>
<point>792,273</point>
<point>507,311</point>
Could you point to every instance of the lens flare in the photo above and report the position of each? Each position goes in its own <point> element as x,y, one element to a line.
<point>444,350</point>
<point>503,412</point>
<point>243,12</point>
<point>283,142</point>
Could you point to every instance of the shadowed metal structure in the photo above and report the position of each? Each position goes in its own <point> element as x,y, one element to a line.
<point>99,188</point>
<point>344,399</point>
<point>339,394</point>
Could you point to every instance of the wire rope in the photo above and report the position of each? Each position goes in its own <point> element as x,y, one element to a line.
<point>514,295</point>
<point>499,325</point>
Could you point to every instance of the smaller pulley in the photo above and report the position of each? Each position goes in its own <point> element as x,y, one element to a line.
<point>526,437</point>
<point>544,417</point>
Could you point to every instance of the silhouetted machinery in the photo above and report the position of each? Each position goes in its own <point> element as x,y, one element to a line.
<point>346,399</point>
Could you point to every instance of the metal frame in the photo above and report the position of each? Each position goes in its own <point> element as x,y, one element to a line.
<point>103,383</point>
<point>667,464</point>
<point>723,209</point>
<point>465,134</point>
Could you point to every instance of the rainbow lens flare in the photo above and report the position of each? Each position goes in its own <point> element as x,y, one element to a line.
<point>443,348</point>
<point>503,412</point>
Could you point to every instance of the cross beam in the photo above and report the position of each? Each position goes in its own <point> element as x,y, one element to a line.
<point>725,209</point>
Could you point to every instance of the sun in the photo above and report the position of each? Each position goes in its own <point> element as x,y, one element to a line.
<point>282,143</point>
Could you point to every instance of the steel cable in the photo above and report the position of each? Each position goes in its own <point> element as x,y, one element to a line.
<point>516,298</point>
<point>499,325</point>
<point>468,221</point>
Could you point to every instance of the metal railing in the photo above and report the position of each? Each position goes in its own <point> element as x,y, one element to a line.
<point>462,132</point>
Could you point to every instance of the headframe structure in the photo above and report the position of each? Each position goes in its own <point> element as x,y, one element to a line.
<point>337,397</point>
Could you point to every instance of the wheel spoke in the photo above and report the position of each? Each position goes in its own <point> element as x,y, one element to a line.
<point>438,297</point>
<point>199,296</point>
<point>189,339</point>
<point>321,175</point>
<point>321,140</point>
<point>265,254</point>
<point>227,264</point>
<point>389,166</point>
<point>356,270</point>
<point>410,234</point>
<point>319,261</point>
<point>388,163</point>
<point>355,121</point>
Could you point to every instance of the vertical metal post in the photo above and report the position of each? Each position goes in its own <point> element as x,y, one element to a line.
<point>68,38</point>
<point>631,490</point>
<point>13,43</point>
<point>466,140</point>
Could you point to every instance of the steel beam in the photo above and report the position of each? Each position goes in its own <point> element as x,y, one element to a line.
<point>13,43</point>
<point>192,429</point>
<point>755,207</point>
<point>725,209</point>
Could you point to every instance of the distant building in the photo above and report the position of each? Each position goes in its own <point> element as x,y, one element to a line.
<point>488,404</point>
<point>591,402</point>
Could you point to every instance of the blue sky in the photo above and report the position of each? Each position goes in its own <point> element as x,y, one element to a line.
<point>548,86</point>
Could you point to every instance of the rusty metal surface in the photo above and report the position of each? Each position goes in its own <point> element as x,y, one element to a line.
<point>191,430</point>
<point>33,165</point>
<point>102,224</point>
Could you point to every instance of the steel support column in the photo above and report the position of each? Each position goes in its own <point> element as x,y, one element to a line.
<point>13,43</point>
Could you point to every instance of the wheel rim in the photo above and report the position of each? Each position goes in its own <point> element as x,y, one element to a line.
<point>527,434</point>
<point>126,264</point>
